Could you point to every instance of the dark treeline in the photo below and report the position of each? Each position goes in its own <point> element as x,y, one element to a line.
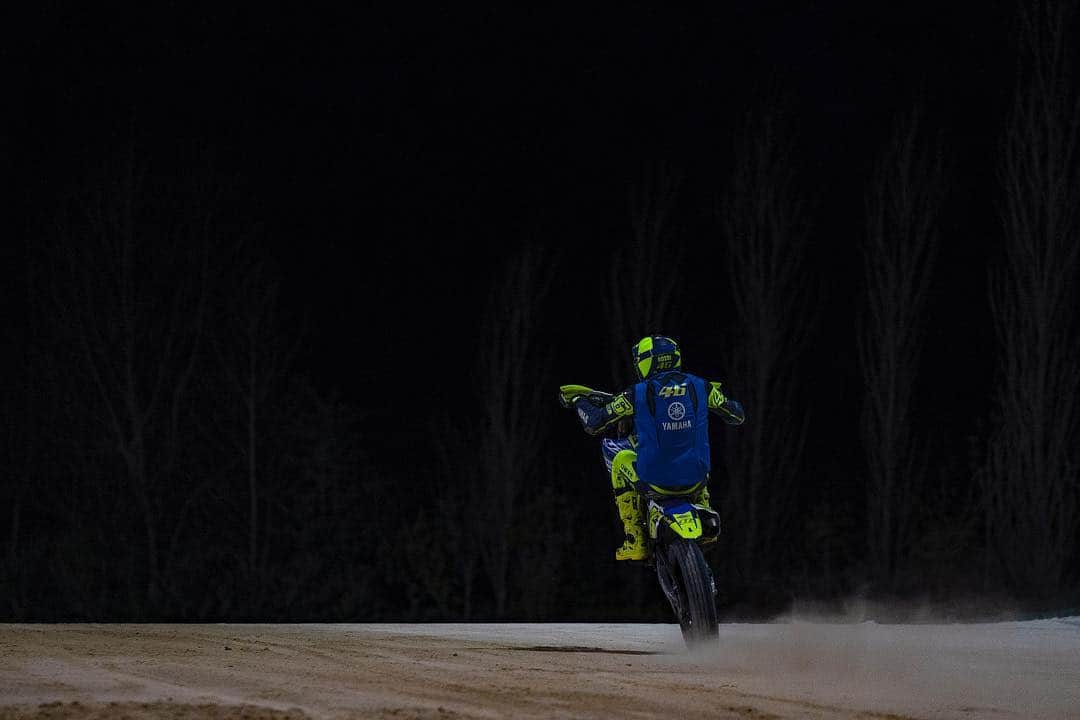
<point>167,452</point>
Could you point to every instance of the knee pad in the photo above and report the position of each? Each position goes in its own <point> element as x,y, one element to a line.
<point>623,475</point>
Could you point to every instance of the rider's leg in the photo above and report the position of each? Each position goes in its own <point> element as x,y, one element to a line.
<point>701,497</point>
<point>627,500</point>
<point>629,503</point>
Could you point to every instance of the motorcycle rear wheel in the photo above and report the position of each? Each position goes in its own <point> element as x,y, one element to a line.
<point>697,614</point>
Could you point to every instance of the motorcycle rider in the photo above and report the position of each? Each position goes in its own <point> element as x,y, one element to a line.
<point>661,441</point>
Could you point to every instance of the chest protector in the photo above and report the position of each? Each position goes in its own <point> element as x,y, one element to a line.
<point>671,423</point>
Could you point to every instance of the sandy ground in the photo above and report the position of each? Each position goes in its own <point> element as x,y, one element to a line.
<point>779,670</point>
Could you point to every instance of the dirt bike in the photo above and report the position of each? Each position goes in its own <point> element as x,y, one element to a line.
<point>676,529</point>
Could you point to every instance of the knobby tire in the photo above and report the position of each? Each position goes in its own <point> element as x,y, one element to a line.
<point>698,619</point>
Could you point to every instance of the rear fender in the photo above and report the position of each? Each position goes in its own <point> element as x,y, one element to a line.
<point>678,515</point>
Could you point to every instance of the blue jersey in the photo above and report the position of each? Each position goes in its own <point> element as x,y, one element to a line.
<point>671,423</point>
<point>669,415</point>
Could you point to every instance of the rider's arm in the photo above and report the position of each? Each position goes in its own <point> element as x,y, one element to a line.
<point>730,411</point>
<point>598,418</point>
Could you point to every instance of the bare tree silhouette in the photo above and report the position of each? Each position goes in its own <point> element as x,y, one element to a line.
<point>902,203</point>
<point>1031,474</point>
<point>317,523</point>
<point>642,278</point>
<point>460,493</point>
<point>20,399</point>
<point>465,503</point>
<point>253,360</point>
<point>129,282</point>
<point>514,369</point>
<point>765,237</point>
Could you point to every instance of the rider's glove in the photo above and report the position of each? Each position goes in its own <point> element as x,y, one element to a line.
<point>716,395</point>
<point>569,393</point>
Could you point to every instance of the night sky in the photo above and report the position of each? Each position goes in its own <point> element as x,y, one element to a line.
<point>391,161</point>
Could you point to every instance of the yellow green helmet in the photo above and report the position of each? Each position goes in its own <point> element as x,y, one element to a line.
<point>656,353</point>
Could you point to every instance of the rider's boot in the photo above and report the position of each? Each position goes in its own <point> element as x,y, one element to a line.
<point>701,497</point>
<point>628,501</point>
<point>629,504</point>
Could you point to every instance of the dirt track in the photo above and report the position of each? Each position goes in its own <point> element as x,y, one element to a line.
<point>788,670</point>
